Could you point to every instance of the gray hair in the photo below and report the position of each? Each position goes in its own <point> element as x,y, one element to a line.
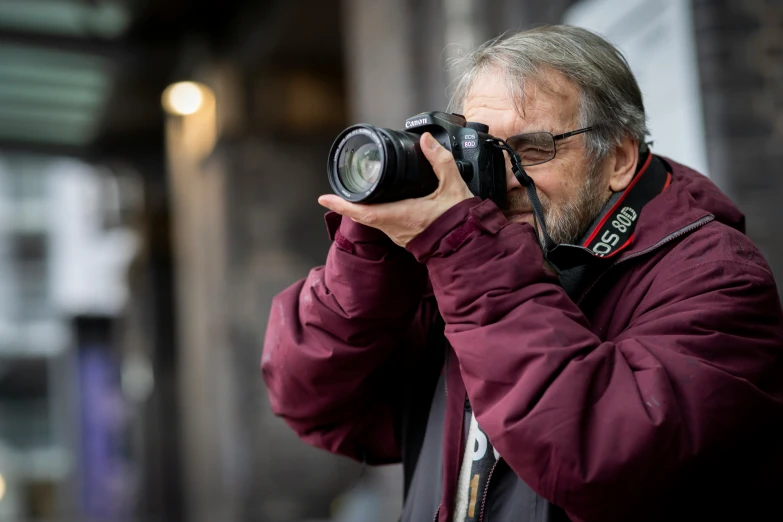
<point>610,98</point>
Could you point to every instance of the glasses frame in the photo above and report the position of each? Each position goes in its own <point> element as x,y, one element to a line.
<point>555,139</point>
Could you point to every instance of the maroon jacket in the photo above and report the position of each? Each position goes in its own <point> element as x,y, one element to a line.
<point>659,390</point>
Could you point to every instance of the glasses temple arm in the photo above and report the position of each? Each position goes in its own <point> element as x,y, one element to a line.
<point>572,133</point>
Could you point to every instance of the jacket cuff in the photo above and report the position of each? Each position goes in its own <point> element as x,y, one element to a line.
<point>452,229</point>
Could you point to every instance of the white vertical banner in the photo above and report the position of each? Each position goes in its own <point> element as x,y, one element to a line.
<point>657,39</point>
<point>89,263</point>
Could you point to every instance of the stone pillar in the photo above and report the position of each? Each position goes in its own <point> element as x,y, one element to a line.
<point>198,227</point>
<point>378,61</point>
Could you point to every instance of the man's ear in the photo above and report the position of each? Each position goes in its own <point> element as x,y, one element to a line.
<point>622,164</point>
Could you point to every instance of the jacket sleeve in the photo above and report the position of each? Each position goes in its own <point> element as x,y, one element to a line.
<point>331,340</point>
<point>599,427</point>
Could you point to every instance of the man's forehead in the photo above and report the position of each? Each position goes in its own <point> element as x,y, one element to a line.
<point>548,95</point>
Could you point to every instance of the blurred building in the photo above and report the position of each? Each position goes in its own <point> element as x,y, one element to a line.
<point>159,166</point>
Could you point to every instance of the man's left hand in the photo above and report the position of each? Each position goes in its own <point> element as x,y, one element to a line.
<point>404,220</point>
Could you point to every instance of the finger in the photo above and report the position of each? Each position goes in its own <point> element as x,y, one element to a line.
<point>364,214</point>
<point>341,206</point>
<point>441,159</point>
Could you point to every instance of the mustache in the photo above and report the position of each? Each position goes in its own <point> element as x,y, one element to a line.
<point>517,201</point>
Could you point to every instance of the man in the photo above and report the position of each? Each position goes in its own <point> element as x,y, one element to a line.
<point>634,374</point>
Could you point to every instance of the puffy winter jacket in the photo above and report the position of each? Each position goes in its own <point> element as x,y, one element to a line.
<point>655,392</point>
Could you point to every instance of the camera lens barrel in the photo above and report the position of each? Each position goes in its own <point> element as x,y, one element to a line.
<point>371,165</point>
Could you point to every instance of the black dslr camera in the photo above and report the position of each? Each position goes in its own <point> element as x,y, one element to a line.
<point>372,165</point>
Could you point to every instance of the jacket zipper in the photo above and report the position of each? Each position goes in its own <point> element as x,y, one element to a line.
<point>435,518</point>
<point>674,235</point>
<point>486,490</point>
<point>446,370</point>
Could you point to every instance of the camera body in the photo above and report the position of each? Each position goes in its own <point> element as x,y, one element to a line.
<point>481,164</point>
<point>371,165</point>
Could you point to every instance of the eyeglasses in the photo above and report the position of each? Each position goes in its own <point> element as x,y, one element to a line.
<point>539,147</point>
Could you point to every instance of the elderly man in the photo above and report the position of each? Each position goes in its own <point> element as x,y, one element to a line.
<point>638,379</point>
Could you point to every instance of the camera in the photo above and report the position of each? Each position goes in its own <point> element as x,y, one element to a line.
<point>372,165</point>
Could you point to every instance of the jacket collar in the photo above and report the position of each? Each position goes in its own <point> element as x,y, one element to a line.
<point>670,212</point>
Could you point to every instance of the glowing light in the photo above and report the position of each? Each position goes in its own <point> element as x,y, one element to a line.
<point>184,98</point>
<point>2,487</point>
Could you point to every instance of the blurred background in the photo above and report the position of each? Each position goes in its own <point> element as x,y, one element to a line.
<point>159,167</point>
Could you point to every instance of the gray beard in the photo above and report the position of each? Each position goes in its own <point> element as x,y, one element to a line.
<point>567,223</point>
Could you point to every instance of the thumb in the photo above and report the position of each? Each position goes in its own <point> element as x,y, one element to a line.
<point>441,159</point>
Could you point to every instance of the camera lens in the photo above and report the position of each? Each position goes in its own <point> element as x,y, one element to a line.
<point>370,165</point>
<point>359,164</point>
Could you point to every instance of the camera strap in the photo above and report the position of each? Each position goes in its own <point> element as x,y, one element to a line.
<point>529,185</point>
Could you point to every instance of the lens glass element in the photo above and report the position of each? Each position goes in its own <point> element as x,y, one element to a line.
<point>360,164</point>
